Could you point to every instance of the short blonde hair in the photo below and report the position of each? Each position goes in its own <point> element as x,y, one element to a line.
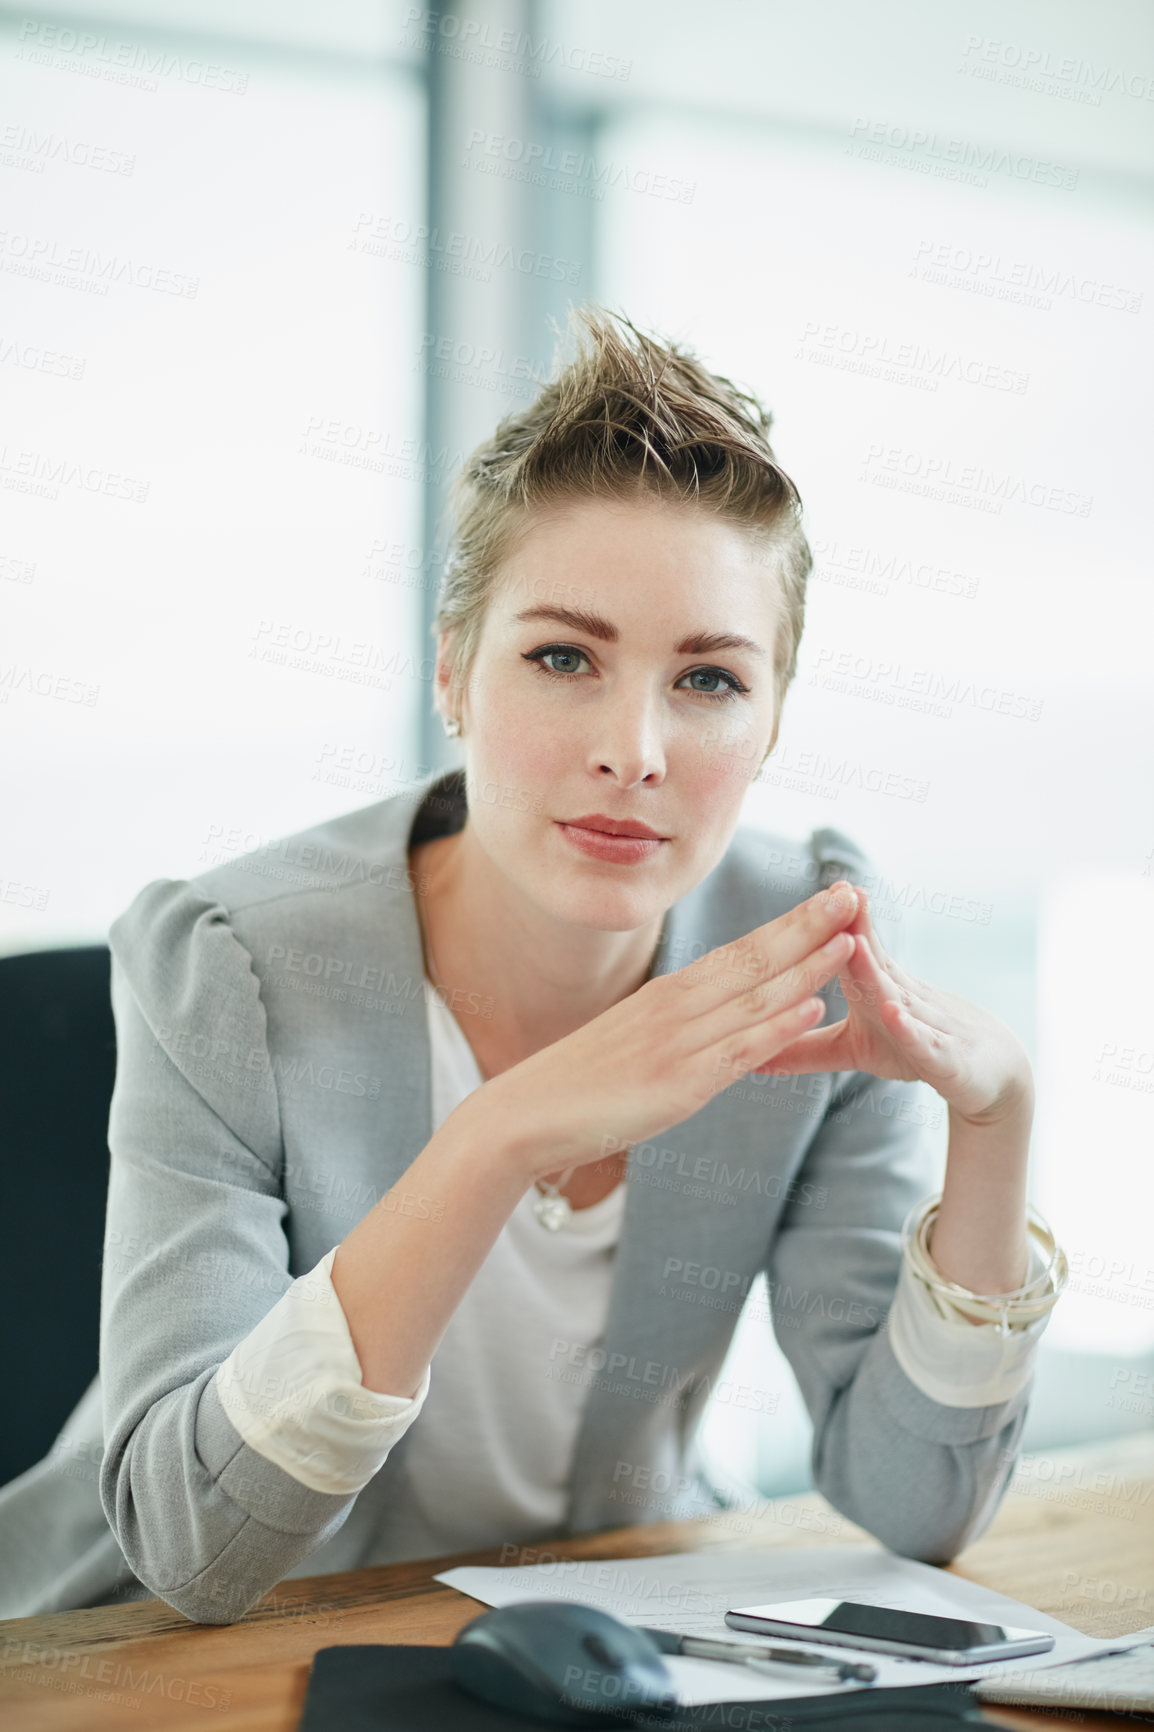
<point>627,417</point>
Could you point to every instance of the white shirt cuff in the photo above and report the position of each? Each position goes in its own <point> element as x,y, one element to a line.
<point>955,1362</point>
<point>295,1391</point>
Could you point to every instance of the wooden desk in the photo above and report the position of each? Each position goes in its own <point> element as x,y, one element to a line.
<point>1074,1537</point>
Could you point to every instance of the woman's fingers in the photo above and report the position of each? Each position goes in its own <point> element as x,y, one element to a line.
<point>743,1052</point>
<point>913,1025</point>
<point>876,986</point>
<point>863,924</point>
<point>774,1013</point>
<point>869,984</point>
<point>871,994</point>
<point>770,1024</point>
<point>821,1049</point>
<point>770,950</point>
<point>797,982</point>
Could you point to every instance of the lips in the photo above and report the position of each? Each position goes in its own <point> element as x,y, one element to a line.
<point>616,827</point>
<point>614,850</point>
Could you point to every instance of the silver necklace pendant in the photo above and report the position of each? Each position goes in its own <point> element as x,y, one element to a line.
<point>552,1210</point>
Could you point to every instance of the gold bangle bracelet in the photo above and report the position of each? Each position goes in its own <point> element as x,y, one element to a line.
<point>1018,1308</point>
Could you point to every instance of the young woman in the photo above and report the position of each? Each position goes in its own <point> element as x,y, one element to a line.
<point>449,1135</point>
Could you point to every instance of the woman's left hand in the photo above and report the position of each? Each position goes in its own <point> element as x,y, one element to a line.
<point>898,1026</point>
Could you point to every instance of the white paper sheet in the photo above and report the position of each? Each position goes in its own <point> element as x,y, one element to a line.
<point>690,1592</point>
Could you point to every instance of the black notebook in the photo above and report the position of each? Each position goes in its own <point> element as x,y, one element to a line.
<point>374,1688</point>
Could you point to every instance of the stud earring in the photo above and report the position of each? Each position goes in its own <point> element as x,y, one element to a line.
<point>452,726</point>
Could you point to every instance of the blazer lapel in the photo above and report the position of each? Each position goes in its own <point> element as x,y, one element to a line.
<point>431,809</point>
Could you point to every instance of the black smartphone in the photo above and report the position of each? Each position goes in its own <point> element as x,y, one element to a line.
<point>881,1629</point>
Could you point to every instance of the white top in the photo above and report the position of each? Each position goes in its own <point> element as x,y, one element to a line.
<point>499,1429</point>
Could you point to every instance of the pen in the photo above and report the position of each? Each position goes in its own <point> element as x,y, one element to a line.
<point>746,1654</point>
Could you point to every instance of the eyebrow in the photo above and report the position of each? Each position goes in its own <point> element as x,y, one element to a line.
<point>592,625</point>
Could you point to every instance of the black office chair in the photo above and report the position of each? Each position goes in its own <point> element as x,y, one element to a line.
<point>57,1068</point>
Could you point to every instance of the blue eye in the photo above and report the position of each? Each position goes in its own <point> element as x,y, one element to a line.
<point>732,688</point>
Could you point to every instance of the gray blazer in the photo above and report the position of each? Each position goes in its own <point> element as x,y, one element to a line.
<point>273,1081</point>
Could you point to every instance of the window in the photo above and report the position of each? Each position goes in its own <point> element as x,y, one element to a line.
<point>211,480</point>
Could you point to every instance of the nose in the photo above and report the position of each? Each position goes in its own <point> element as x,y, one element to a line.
<point>628,742</point>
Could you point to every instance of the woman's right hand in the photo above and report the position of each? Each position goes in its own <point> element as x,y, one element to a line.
<point>662,1053</point>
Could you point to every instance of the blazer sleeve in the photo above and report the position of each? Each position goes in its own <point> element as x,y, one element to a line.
<point>195,1256</point>
<point>923,1476</point>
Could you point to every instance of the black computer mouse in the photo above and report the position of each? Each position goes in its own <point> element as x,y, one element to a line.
<point>568,1664</point>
